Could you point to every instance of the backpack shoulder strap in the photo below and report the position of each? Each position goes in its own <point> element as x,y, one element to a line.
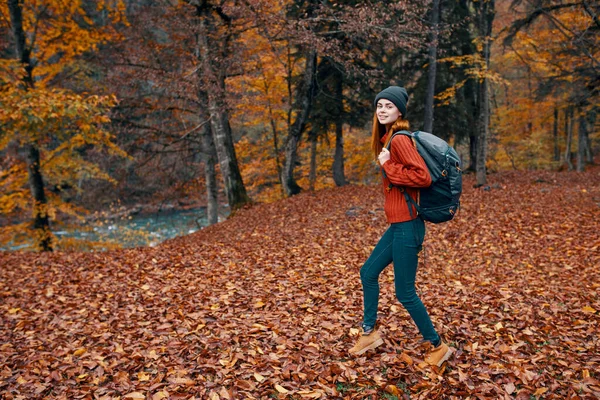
<point>405,133</point>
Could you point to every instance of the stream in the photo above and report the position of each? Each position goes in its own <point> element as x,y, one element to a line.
<point>139,230</point>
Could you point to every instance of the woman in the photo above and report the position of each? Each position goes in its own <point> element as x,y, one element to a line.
<point>401,243</point>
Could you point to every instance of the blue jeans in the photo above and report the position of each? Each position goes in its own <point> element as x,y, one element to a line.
<point>401,243</point>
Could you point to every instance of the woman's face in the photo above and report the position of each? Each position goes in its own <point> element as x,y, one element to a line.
<point>387,112</point>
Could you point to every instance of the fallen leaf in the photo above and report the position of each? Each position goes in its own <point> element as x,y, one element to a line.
<point>143,377</point>
<point>160,395</point>
<point>281,389</point>
<point>79,351</point>
<point>135,395</point>
<point>509,388</point>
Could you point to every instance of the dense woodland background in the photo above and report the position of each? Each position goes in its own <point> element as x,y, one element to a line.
<point>142,103</point>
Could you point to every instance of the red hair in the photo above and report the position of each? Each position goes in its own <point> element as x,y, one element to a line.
<point>380,131</point>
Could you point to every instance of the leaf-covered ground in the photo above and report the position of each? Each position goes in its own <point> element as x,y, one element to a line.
<point>265,305</point>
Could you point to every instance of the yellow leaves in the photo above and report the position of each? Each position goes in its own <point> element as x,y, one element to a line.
<point>588,310</point>
<point>393,390</point>
<point>585,374</point>
<point>143,376</point>
<point>79,352</point>
<point>60,124</point>
<point>63,31</point>
<point>406,358</point>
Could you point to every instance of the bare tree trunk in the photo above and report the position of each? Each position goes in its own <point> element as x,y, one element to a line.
<point>212,190</point>
<point>589,156</point>
<point>41,222</point>
<point>472,95</point>
<point>431,72</point>
<point>275,142</point>
<point>485,29</point>
<point>555,134</point>
<point>312,176</point>
<point>303,102</point>
<point>209,156</point>
<point>581,142</point>
<point>569,131</point>
<point>483,132</point>
<point>213,77</point>
<point>471,100</point>
<point>339,176</point>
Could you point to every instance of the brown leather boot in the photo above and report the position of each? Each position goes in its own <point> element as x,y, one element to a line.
<point>439,355</point>
<point>367,342</point>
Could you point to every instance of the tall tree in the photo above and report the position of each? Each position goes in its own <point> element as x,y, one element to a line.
<point>339,176</point>
<point>581,142</point>
<point>555,135</point>
<point>209,155</point>
<point>569,122</point>
<point>303,104</point>
<point>486,18</point>
<point>212,38</point>
<point>52,126</point>
<point>41,222</point>
<point>432,68</point>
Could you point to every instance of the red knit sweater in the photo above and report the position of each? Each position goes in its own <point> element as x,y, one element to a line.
<point>405,168</point>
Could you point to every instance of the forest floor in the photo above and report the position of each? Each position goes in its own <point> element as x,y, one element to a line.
<point>266,304</point>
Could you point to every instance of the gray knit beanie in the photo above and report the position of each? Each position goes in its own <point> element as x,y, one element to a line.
<point>396,95</point>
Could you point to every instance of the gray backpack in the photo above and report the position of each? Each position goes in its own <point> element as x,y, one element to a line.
<point>441,200</point>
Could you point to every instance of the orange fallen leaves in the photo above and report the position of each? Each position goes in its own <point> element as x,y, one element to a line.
<point>267,303</point>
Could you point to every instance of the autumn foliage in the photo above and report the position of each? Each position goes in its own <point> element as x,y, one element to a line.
<point>266,304</point>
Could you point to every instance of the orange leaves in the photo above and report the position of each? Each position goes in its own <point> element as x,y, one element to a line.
<point>63,31</point>
<point>546,64</point>
<point>62,124</point>
<point>266,304</point>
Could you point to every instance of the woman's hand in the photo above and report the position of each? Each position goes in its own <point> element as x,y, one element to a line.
<point>383,156</point>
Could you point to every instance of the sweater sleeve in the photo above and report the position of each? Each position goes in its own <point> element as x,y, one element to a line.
<point>405,166</point>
